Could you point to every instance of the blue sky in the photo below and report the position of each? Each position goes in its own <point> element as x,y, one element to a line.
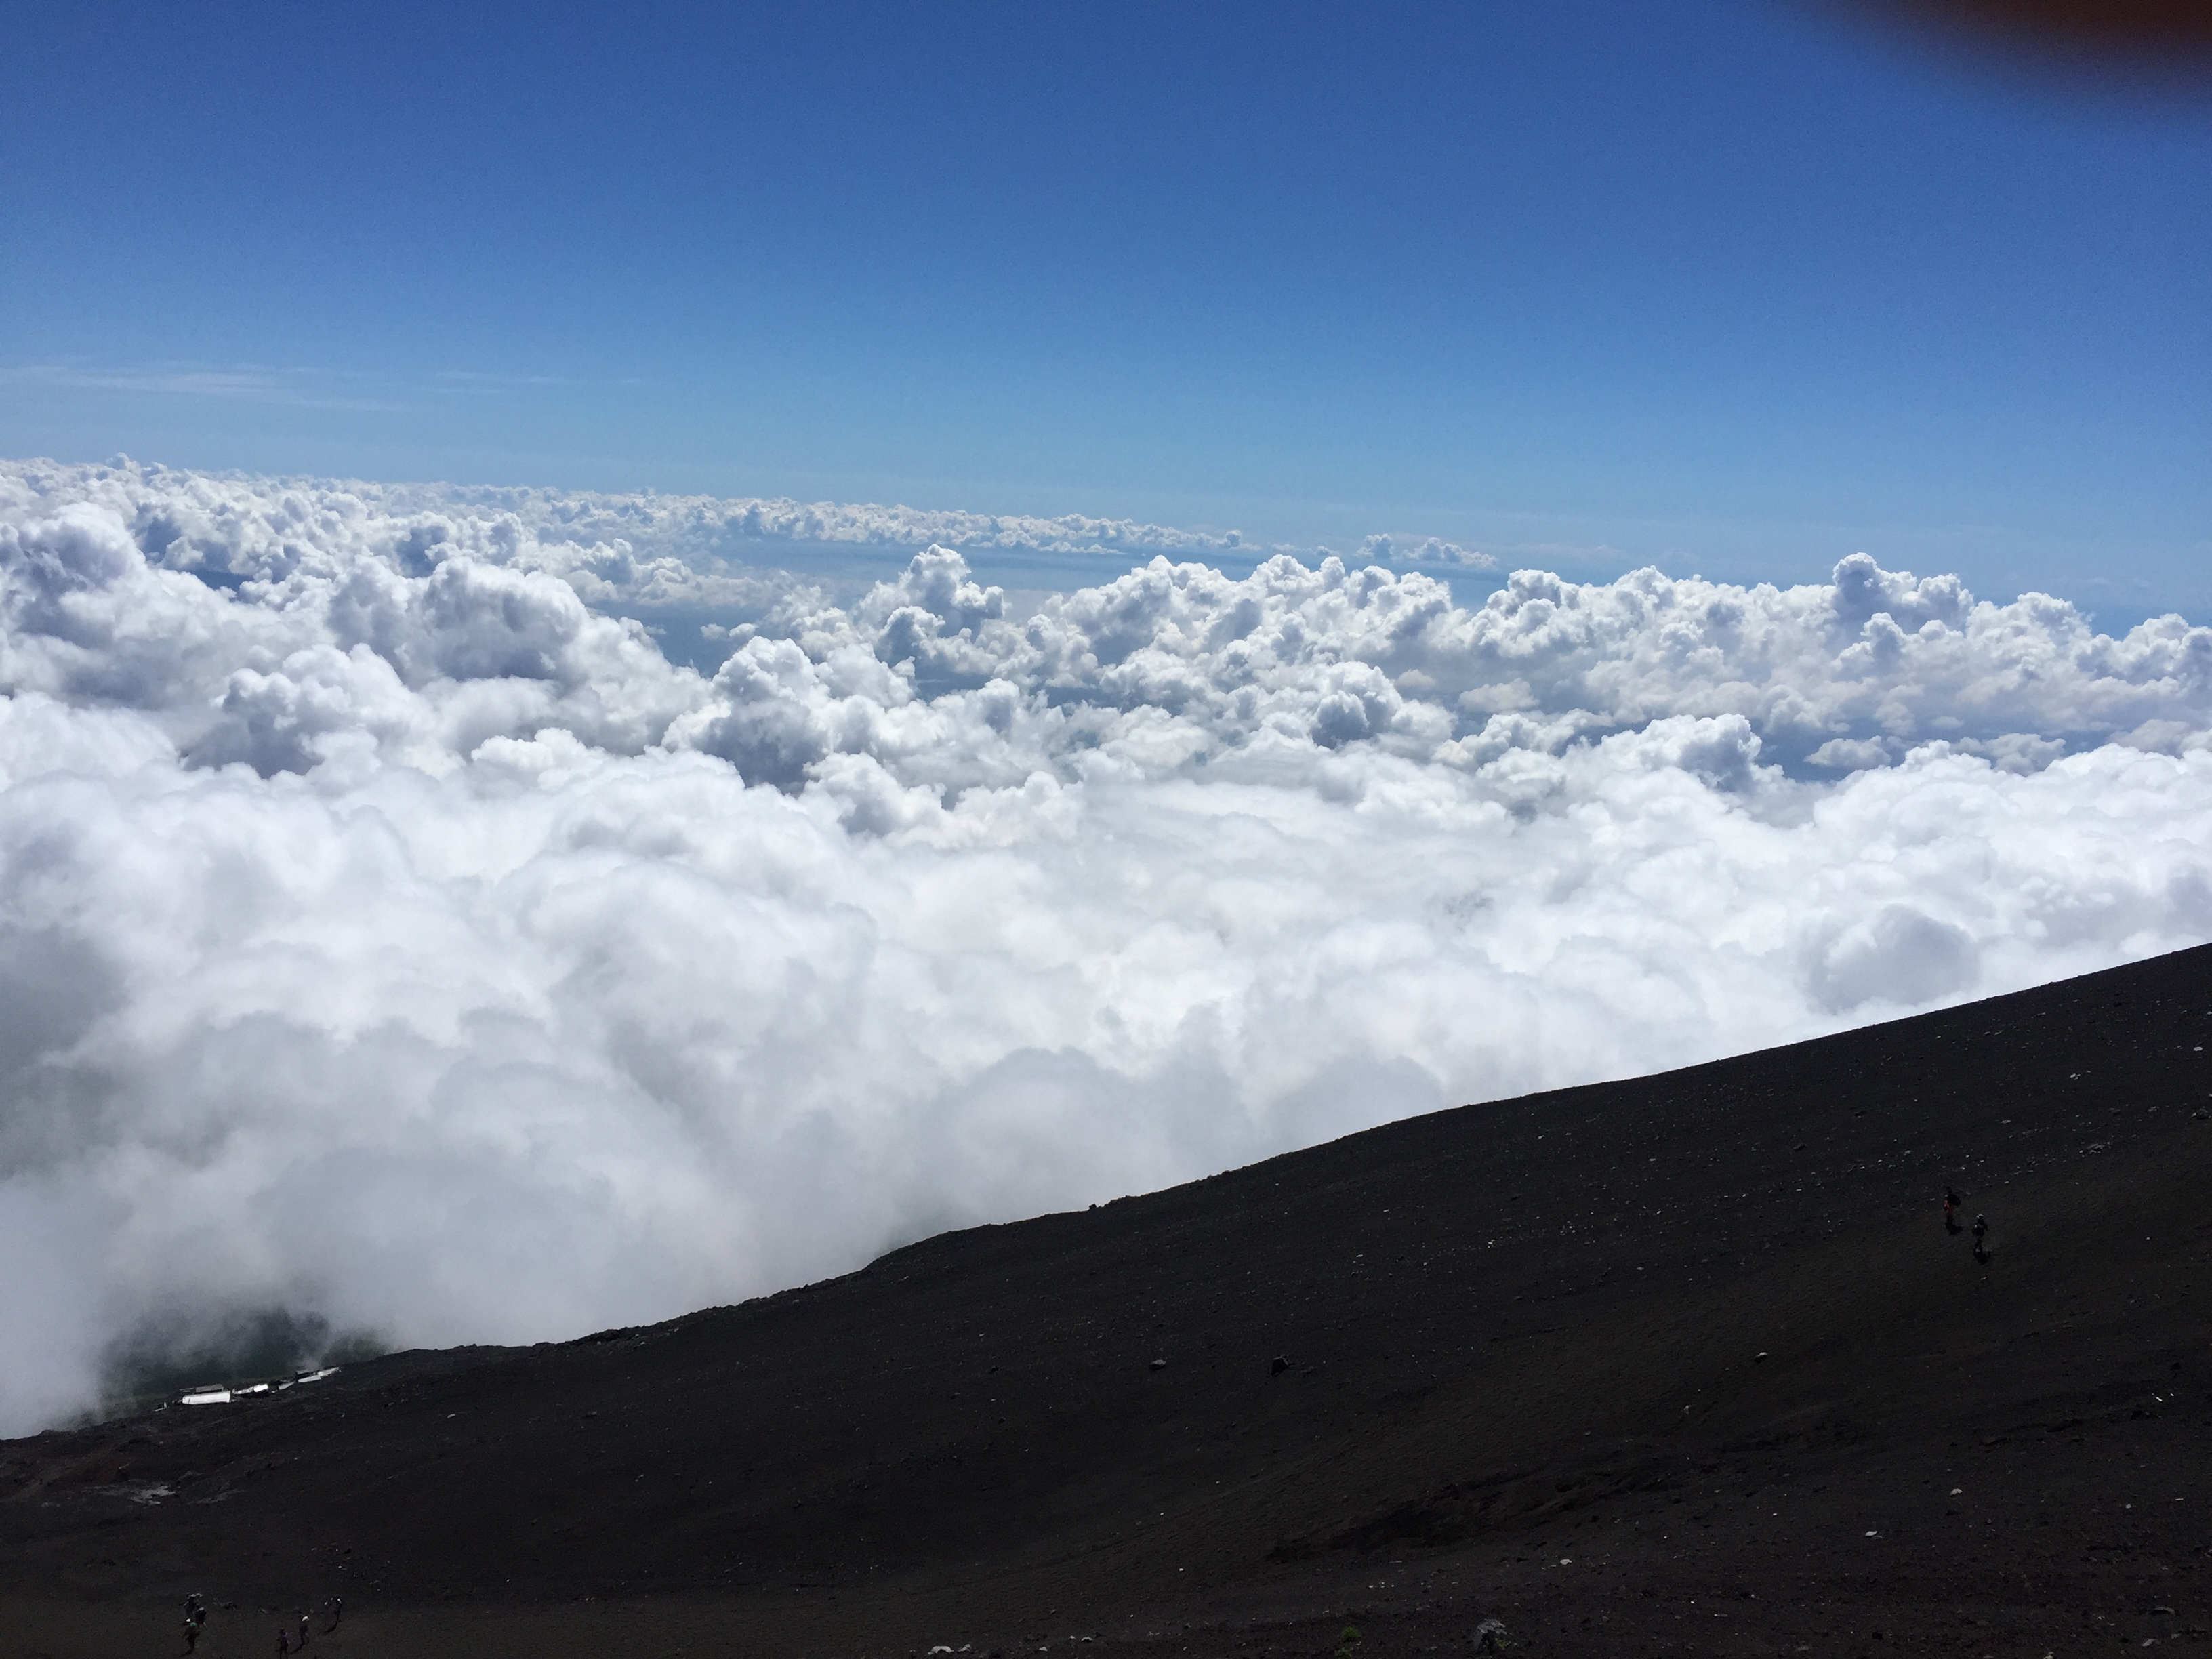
<point>1729,288</point>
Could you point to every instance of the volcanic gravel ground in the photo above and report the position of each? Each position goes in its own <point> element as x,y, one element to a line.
<point>1683,1364</point>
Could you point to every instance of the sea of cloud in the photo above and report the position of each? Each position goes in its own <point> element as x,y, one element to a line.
<point>394,933</point>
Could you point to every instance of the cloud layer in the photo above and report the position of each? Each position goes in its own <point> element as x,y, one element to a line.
<point>392,934</point>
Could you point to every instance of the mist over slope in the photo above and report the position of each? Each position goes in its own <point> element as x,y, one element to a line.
<point>392,932</point>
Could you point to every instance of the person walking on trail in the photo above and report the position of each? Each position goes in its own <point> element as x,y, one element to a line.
<point>283,1642</point>
<point>303,1628</point>
<point>1951,1202</point>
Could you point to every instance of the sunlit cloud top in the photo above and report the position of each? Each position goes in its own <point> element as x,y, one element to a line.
<point>489,916</point>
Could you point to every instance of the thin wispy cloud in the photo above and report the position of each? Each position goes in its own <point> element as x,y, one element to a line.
<point>294,388</point>
<point>452,380</point>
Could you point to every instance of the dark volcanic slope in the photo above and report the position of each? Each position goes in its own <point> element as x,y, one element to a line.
<point>1682,1364</point>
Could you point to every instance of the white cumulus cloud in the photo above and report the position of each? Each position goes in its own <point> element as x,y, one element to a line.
<point>392,933</point>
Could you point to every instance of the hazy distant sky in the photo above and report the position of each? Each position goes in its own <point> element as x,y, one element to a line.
<point>1726,287</point>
